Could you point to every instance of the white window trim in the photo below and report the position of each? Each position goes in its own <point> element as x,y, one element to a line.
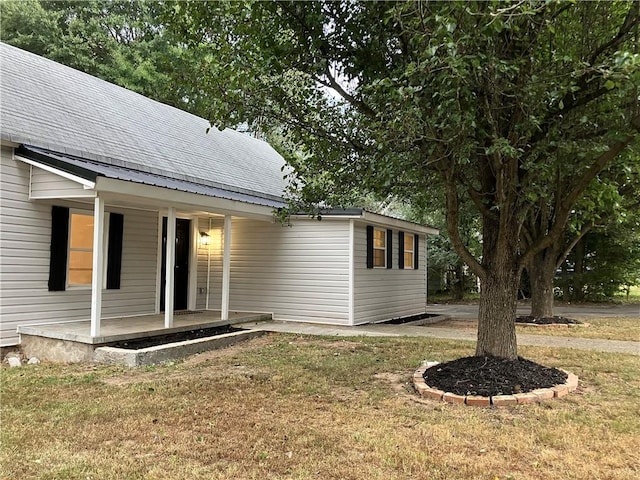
<point>384,231</point>
<point>105,247</point>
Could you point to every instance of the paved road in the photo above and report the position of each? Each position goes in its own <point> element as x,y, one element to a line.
<point>467,334</point>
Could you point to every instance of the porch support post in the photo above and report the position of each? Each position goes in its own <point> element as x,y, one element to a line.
<point>170,267</point>
<point>226,268</point>
<point>97,265</point>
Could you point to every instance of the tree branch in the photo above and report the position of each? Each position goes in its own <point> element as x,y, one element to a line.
<point>563,256</point>
<point>332,83</point>
<point>453,227</point>
<point>630,21</point>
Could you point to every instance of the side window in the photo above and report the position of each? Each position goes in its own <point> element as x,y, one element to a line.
<point>409,253</point>
<point>379,248</point>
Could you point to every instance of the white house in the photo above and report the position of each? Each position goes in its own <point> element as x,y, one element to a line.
<point>115,208</point>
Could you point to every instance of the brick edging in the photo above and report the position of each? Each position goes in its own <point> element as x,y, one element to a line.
<point>533,396</point>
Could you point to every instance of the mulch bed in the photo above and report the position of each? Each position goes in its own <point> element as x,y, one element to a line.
<point>555,320</point>
<point>490,376</point>
<point>137,344</point>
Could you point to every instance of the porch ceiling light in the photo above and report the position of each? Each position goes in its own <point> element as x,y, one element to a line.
<point>205,239</point>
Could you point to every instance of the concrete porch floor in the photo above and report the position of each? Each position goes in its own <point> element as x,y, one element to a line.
<point>128,328</point>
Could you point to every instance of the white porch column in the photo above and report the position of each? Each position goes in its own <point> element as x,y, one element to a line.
<point>226,268</point>
<point>170,268</point>
<point>97,265</point>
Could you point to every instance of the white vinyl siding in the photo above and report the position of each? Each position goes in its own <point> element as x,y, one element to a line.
<point>297,273</point>
<point>49,185</point>
<point>25,237</point>
<point>383,294</point>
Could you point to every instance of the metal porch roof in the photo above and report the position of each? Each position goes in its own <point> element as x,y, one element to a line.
<point>90,170</point>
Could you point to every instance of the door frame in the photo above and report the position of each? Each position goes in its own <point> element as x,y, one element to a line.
<point>193,261</point>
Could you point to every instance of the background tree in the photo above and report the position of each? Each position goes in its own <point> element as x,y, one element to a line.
<point>605,207</point>
<point>606,260</point>
<point>468,96</point>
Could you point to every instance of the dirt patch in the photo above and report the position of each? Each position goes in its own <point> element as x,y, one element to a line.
<point>397,381</point>
<point>555,320</point>
<point>490,376</point>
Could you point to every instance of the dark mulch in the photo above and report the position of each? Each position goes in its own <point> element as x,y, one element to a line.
<point>547,320</point>
<point>412,318</point>
<point>488,376</point>
<point>139,343</point>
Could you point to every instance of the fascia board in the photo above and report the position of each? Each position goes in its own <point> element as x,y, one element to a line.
<point>87,184</point>
<point>159,196</point>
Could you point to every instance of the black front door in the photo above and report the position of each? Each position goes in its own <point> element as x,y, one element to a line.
<point>181,272</point>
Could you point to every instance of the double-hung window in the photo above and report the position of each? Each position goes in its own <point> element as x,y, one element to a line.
<point>409,254</point>
<point>408,248</point>
<point>379,245</point>
<point>379,248</point>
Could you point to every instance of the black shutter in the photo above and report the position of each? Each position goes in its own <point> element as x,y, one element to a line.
<point>369,246</point>
<point>416,251</point>
<point>59,243</point>
<point>389,248</point>
<point>400,250</point>
<point>114,253</point>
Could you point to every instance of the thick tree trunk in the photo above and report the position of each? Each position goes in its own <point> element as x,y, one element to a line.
<point>498,296</point>
<point>496,321</point>
<point>541,275</point>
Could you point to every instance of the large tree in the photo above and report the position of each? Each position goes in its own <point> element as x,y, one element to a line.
<point>393,97</point>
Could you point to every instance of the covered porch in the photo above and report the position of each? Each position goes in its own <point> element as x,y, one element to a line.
<point>142,326</point>
<point>72,342</point>
<point>155,256</point>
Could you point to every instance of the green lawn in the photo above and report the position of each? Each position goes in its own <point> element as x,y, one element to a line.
<point>296,407</point>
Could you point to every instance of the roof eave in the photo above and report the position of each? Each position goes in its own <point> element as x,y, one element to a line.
<point>372,218</point>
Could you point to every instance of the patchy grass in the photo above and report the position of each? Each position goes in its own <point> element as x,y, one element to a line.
<point>295,407</point>
<point>608,328</point>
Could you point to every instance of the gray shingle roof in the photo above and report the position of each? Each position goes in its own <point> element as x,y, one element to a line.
<point>49,105</point>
